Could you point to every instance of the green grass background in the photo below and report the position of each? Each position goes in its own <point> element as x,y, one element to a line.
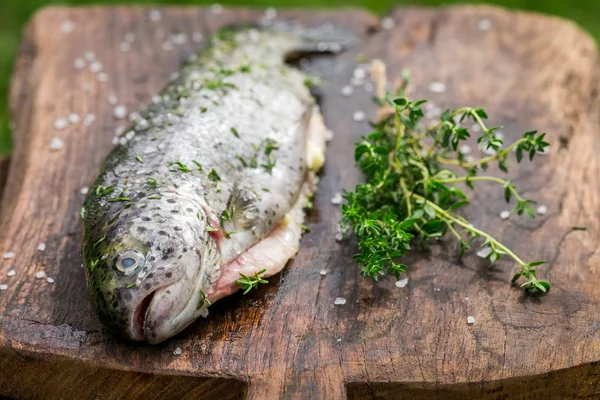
<point>15,13</point>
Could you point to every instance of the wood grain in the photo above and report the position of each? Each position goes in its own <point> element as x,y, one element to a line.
<point>288,340</point>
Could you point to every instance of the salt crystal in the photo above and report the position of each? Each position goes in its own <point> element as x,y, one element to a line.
<point>470,320</point>
<point>339,339</point>
<point>74,118</point>
<point>89,55</point>
<point>484,24</point>
<point>329,135</point>
<point>505,214</point>
<point>120,112</point>
<point>50,280</point>
<point>40,275</point>
<point>112,100</point>
<point>270,13</point>
<point>86,88</point>
<point>466,299</point>
<point>216,8</point>
<point>12,272</point>
<point>197,37</point>
<point>489,151</point>
<point>67,26</point>
<point>484,252</point>
<point>89,118</point>
<point>102,77</point>
<point>84,190</point>
<point>119,130</point>
<point>129,135</point>
<point>56,144</point>
<point>476,128</point>
<point>204,312</point>
<point>465,149</point>
<point>96,67</point>
<point>322,46</point>
<point>3,287</point>
<point>339,236</point>
<point>142,123</point>
<point>79,63</point>
<point>115,140</point>
<point>347,90</point>
<point>61,123</point>
<point>359,73</point>
<point>340,301</point>
<point>401,283</point>
<point>177,351</point>
<point>388,23</point>
<point>41,246</point>
<point>499,135</point>
<point>155,15</point>
<point>124,47</point>
<point>156,99</point>
<point>167,46</point>
<point>123,141</point>
<point>336,199</point>
<point>180,38</point>
<point>437,87</point>
<point>129,37</point>
<point>358,116</point>
<point>323,272</point>
<point>542,209</point>
<point>469,159</point>
<point>134,115</point>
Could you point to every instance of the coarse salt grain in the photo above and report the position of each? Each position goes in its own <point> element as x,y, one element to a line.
<point>79,63</point>
<point>337,199</point>
<point>84,190</point>
<point>120,112</point>
<point>542,209</point>
<point>61,123</point>
<point>41,246</point>
<point>340,301</point>
<point>50,280</point>
<point>125,47</point>
<point>505,214</point>
<point>329,135</point>
<point>323,272</point>
<point>96,67</point>
<point>122,141</point>
<point>67,26</point>
<point>89,55</point>
<point>179,38</point>
<point>102,77</point>
<point>197,37</point>
<point>56,144</point>
<point>270,13</point>
<point>216,8</point>
<point>129,135</point>
<point>359,73</point>
<point>12,272</point>
<point>401,283</point>
<point>470,320</point>
<point>167,46</point>
<point>112,100</point>
<point>89,118</point>
<point>86,88</point>
<point>437,87</point>
<point>155,15</point>
<point>476,128</point>
<point>347,90</point>
<point>358,116</point>
<point>177,351</point>
<point>484,24</point>
<point>129,37</point>
<point>142,123</point>
<point>3,287</point>
<point>465,149</point>
<point>483,253</point>
<point>339,236</point>
<point>40,275</point>
<point>74,118</point>
<point>388,23</point>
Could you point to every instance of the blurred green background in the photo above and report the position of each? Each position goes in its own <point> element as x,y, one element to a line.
<point>15,13</point>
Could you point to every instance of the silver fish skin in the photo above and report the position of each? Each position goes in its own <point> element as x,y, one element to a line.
<point>209,184</point>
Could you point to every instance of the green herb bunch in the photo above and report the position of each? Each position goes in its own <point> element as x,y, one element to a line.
<point>411,191</point>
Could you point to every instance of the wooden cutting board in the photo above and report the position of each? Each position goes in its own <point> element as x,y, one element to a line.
<point>288,339</point>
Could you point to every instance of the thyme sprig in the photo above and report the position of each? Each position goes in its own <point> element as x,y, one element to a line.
<point>410,190</point>
<point>247,283</point>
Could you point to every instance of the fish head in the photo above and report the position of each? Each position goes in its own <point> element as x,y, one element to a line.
<point>147,265</point>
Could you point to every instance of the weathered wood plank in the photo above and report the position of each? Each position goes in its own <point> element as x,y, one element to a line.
<point>288,339</point>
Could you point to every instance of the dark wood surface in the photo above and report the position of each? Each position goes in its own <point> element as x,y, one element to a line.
<point>289,340</point>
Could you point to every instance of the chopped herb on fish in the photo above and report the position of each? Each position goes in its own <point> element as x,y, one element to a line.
<point>213,176</point>
<point>180,166</point>
<point>93,264</point>
<point>203,109</point>
<point>154,197</point>
<point>103,191</point>
<point>102,239</point>
<point>198,165</point>
<point>139,159</point>
<point>132,285</point>
<point>118,199</point>
<point>247,283</point>
<point>235,132</point>
<point>203,300</point>
<point>152,182</point>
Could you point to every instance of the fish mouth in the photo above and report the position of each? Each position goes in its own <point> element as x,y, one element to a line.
<point>140,315</point>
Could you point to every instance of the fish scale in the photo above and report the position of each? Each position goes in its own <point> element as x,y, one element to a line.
<point>208,172</point>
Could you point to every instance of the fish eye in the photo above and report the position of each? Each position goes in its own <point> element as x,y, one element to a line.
<point>130,261</point>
